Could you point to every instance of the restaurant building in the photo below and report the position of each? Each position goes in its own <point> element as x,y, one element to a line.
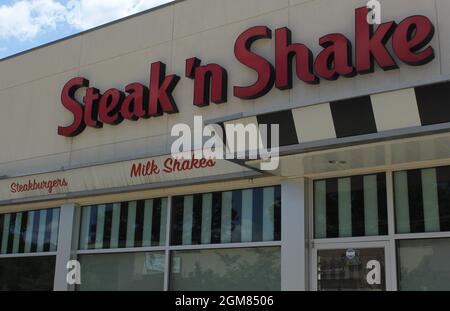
<point>360,199</point>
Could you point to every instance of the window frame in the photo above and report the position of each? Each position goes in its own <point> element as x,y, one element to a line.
<point>397,247</point>
<point>168,248</point>
<point>35,254</point>
<point>261,245</point>
<point>380,237</point>
<point>392,238</point>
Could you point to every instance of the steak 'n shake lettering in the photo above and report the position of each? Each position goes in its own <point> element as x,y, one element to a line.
<point>409,39</point>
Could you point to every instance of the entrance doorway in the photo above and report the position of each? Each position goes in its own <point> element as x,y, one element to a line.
<point>351,267</point>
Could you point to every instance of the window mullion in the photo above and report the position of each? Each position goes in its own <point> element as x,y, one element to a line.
<point>168,239</point>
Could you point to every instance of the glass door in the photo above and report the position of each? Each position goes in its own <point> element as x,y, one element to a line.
<point>351,267</point>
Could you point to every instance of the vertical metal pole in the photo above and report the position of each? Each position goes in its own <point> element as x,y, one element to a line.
<point>391,229</point>
<point>167,250</point>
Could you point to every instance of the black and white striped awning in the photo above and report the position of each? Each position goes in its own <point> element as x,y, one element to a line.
<point>371,114</point>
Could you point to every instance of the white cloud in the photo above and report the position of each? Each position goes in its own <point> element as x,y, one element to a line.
<point>26,19</point>
<point>23,20</point>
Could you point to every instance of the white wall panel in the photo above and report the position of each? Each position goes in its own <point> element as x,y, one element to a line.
<point>121,53</point>
<point>195,16</point>
<point>443,11</point>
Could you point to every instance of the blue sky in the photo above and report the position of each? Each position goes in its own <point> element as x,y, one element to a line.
<point>25,24</point>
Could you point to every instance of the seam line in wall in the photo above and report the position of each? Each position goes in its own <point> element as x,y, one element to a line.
<point>438,36</point>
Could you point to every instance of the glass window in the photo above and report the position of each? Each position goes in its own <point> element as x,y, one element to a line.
<point>28,273</point>
<point>422,200</point>
<point>124,225</point>
<point>423,265</point>
<point>29,232</point>
<point>251,215</point>
<point>350,207</point>
<point>348,270</point>
<point>255,269</point>
<point>122,272</point>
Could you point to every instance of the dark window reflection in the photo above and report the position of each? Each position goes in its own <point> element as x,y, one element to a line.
<point>422,200</point>
<point>250,215</point>
<point>122,272</point>
<point>350,207</point>
<point>255,269</point>
<point>423,265</point>
<point>25,274</point>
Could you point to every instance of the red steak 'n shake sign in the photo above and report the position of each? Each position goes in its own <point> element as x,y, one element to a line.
<point>409,40</point>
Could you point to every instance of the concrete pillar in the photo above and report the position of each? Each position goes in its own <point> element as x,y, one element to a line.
<point>67,244</point>
<point>294,248</point>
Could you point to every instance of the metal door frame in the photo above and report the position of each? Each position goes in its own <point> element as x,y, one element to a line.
<point>353,245</point>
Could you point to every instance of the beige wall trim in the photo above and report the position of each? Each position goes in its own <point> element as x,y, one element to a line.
<point>356,141</point>
<point>381,169</point>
